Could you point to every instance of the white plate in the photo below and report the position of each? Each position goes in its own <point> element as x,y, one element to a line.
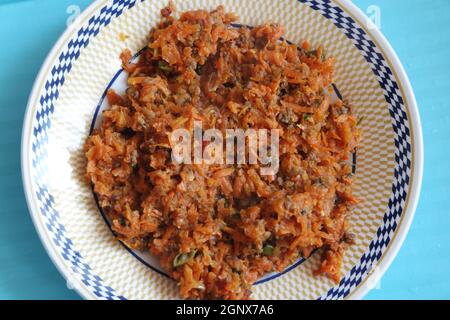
<point>84,62</point>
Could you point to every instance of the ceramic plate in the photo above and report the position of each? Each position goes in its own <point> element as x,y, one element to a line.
<point>69,94</point>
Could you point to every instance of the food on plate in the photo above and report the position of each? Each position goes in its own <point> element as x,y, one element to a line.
<point>217,229</point>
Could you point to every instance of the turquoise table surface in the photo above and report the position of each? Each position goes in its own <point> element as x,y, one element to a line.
<point>419,31</point>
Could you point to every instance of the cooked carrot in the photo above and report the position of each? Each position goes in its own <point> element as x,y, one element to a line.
<point>218,228</point>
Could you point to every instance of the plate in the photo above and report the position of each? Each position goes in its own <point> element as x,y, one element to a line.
<point>66,103</point>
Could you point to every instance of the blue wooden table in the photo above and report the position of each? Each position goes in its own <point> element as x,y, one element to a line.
<point>419,30</point>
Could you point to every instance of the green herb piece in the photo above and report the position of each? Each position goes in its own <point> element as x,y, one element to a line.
<point>192,254</point>
<point>182,258</point>
<point>307,116</point>
<point>164,66</point>
<point>268,250</point>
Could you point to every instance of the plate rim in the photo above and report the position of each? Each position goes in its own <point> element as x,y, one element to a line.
<point>27,127</point>
<point>411,106</point>
<point>418,155</point>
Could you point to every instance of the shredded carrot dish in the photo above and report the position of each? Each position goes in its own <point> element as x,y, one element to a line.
<point>217,229</point>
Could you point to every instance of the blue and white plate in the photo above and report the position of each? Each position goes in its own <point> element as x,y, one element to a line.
<point>68,95</point>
